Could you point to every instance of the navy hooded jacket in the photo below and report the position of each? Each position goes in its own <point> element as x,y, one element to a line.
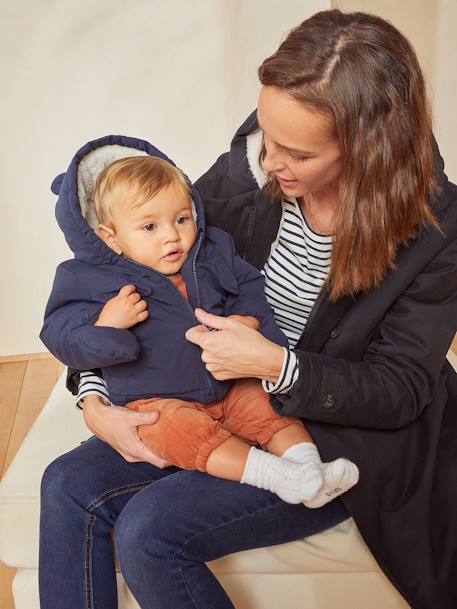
<point>152,358</point>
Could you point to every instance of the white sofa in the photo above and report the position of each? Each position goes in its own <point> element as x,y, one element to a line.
<point>332,570</point>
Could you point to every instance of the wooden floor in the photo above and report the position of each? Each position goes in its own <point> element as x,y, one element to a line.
<point>24,388</point>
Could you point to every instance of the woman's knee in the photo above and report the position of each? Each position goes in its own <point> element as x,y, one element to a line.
<point>152,525</point>
<point>56,478</point>
<point>71,475</point>
<point>139,534</point>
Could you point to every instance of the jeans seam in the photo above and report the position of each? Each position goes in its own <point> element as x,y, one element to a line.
<point>189,591</point>
<point>88,562</point>
<point>95,503</point>
<point>89,590</point>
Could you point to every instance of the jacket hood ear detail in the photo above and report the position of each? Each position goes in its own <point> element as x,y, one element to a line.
<point>57,183</point>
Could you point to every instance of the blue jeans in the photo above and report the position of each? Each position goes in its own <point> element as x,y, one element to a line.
<point>167,524</point>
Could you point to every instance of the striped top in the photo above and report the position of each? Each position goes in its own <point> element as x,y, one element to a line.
<point>91,384</point>
<point>297,267</point>
<point>298,264</point>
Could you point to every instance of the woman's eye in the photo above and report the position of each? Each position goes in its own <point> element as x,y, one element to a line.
<point>299,159</point>
<point>149,227</point>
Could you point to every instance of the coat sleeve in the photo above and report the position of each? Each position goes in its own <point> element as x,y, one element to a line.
<point>400,369</point>
<point>251,300</point>
<point>69,332</point>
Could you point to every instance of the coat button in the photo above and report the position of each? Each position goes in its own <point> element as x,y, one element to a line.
<point>334,333</point>
<point>328,401</point>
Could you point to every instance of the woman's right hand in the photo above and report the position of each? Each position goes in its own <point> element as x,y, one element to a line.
<point>117,426</point>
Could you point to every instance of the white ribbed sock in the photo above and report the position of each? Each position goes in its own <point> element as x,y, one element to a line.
<point>293,482</point>
<point>339,476</point>
<point>303,452</point>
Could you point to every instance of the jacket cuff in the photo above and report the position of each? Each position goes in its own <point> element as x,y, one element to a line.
<point>316,394</point>
<point>106,346</point>
<point>287,377</point>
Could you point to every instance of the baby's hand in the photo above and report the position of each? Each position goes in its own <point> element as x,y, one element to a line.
<point>247,320</point>
<point>124,310</point>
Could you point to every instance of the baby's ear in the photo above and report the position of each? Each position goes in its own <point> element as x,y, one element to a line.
<point>108,236</point>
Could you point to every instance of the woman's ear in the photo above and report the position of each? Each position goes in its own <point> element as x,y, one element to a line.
<point>108,236</point>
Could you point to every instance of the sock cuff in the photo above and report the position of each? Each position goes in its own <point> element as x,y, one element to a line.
<point>301,451</point>
<point>249,460</point>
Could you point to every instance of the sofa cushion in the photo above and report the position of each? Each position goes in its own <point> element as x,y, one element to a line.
<point>60,427</point>
<point>337,555</point>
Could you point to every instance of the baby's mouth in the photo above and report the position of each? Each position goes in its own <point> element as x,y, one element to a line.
<point>174,255</point>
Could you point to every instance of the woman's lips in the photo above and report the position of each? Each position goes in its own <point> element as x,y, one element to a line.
<point>286,183</point>
<point>172,256</point>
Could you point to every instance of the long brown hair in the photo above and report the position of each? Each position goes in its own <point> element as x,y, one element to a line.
<point>362,72</point>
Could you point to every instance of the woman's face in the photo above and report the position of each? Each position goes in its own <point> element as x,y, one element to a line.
<point>301,150</point>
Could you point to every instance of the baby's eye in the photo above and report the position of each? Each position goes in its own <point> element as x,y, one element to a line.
<point>150,227</point>
<point>182,219</point>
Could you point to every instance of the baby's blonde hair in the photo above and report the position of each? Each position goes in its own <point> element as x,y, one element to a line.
<point>131,182</point>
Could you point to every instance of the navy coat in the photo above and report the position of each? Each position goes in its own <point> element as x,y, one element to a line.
<point>152,358</point>
<point>374,383</point>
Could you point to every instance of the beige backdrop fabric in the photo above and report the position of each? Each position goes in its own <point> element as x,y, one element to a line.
<point>179,73</point>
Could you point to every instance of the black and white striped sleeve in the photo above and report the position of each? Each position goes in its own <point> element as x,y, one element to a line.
<point>287,377</point>
<point>91,384</point>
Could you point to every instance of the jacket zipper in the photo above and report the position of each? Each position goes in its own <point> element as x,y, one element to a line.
<point>149,268</point>
<point>194,272</point>
<point>197,289</point>
<point>250,227</point>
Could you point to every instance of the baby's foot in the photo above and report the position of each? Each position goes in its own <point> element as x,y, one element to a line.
<point>339,476</point>
<point>293,482</point>
<point>312,480</point>
<point>298,482</point>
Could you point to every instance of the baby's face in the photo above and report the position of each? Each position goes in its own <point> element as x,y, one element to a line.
<point>160,233</point>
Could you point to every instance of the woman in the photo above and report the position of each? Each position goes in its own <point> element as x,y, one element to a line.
<point>346,142</point>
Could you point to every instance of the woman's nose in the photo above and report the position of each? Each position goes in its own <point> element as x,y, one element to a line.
<point>272,161</point>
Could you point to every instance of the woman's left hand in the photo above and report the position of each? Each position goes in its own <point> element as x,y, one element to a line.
<point>235,351</point>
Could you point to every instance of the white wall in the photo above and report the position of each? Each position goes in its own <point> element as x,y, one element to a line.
<point>179,73</point>
<point>444,84</point>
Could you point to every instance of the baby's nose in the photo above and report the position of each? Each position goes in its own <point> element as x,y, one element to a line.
<point>171,234</point>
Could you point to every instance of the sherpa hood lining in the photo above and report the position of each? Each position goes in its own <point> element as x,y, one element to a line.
<point>90,167</point>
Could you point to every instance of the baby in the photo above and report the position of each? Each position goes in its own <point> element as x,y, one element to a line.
<point>156,255</point>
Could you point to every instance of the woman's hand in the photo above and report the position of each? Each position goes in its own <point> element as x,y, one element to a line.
<point>235,351</point>
<point>246,320</point>
<point>117,426</point>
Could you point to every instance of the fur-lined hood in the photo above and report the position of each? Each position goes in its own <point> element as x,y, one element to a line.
<point>75,208</point>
